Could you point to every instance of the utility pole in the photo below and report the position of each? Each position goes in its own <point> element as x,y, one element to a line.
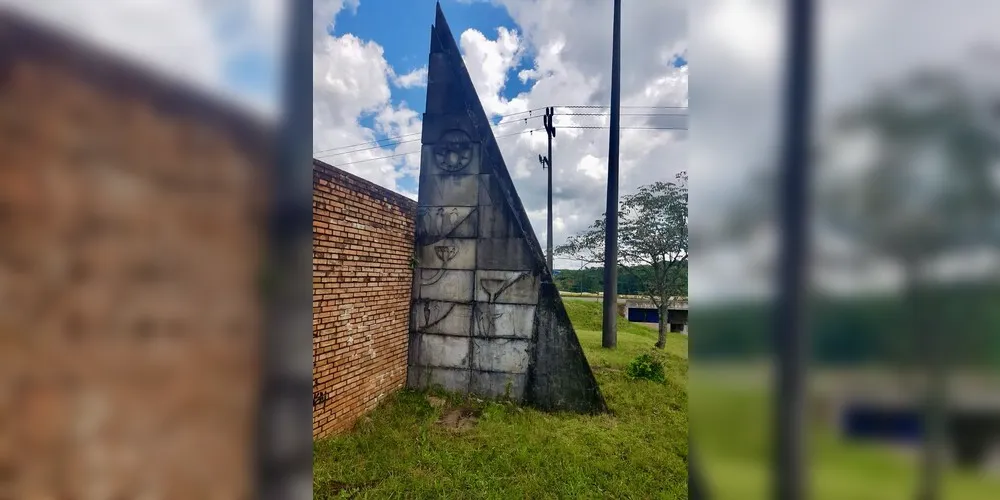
<point>283,445</point>
<point>609,332</point>
<point>546,161</point>
<point>790,342</point>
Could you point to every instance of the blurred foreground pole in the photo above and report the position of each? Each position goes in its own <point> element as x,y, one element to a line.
<point>284,439</point>
<point>697,488</point>
<point>609,330</point>
<point>790,333</point>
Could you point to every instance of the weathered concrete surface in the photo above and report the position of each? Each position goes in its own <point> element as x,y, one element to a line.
<point>556,381</point>
<point>486,318</point>
<point>442,318</point>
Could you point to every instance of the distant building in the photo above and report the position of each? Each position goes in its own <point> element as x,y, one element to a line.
<point>644,311</point>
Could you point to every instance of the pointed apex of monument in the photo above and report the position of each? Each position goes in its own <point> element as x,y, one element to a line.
<point>436,46</point>
<point>441,25</point>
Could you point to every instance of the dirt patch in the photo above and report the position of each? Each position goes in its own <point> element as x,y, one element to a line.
<point>459,419</point>
<point>339,487</point>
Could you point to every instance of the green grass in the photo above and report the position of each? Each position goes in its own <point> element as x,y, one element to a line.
<point>565,294</point>
<point>730,415</point>
<point>587,316</point>
<point>639,450</point>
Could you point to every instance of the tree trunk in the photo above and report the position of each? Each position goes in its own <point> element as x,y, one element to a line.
<point>661,342</point>
<point>935,400</point>
<point>931,353</point>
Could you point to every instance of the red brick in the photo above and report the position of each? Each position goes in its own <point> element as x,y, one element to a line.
<point>362,248</point>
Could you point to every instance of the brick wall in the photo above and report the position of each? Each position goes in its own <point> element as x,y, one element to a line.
<point>130,225</point>
<point>362,277</point>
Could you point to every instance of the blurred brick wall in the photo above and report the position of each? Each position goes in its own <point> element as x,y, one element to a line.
<point>130,228</point>
<point>362,276</point>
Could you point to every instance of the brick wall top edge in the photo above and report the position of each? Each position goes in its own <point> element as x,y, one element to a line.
<point>357,184</point>
<point>23,38</point>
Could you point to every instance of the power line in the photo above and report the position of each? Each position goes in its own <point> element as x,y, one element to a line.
<point>376,142</point>
<point>623,114</point>
<point>524,112</point>
<point>586,127</point>
<point>397,155</point>
<point>379,146</point>
<point>396,143</point>
<point>598,106</point>
<point>393,141</point>
<point>622,128</point>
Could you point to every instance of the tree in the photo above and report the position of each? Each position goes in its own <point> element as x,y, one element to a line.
<point>926,191</point>
<point>652,246</point>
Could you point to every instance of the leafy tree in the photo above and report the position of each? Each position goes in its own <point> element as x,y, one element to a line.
<point>927,193</point>
<point>652,243</point>
<point>927,190</point>
<point>591,279</point>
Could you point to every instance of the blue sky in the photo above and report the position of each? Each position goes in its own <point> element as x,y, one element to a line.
<point>566,44</point>
<point>406,41</point>
<point>405,35</point>
<point>252,73</point>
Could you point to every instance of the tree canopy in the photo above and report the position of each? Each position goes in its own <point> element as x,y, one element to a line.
<point>652,242</point>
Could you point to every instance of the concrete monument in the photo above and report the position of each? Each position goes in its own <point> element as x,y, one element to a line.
<point>486,318</point>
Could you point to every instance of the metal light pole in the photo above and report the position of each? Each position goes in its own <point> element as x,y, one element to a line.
<point>609,332</point>
<point>790,334</point>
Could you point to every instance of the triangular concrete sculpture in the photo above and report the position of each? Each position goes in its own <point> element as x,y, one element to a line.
<point>486,318</point>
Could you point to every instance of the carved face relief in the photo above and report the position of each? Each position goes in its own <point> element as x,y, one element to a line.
<point>453,151</point>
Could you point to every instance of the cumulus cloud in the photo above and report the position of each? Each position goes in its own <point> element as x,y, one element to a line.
<point>739,50</point>
<point>489,62</point>
<point>570,50</point>
<point>179,38</point>
<point>415,78</point>
<point>352,82</point>
<point>736,46</point>
<point>570,62</point>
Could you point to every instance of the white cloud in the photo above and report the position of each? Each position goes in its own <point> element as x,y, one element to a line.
<point>862,46</point>
<point>415,78</point>
<point>571,49</point>
<point>571,61</point>
<point>351,81</point>
<point>488,62</point>
<point>592,167</point>
<point>179,38</point>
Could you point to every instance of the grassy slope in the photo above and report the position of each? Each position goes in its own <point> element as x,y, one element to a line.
<point>638,451</point>
<point>731,417</point>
